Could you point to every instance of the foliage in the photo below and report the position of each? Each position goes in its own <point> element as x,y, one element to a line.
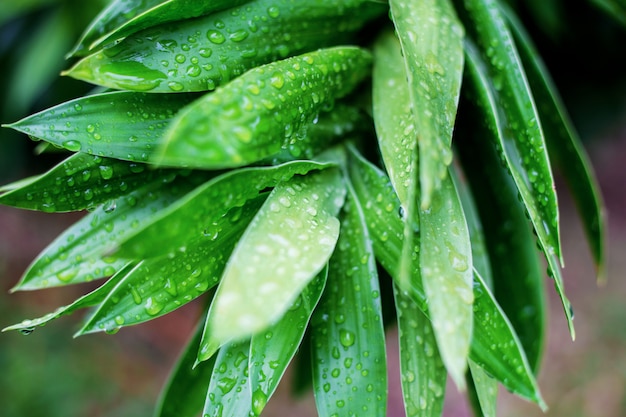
<point>294,163</point>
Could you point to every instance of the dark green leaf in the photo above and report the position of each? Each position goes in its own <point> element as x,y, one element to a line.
<point>261,112</point>
<point>287,243</point>
<point>565,148</point>
<point>123,125</point>
<point>185,391</point>
<point>432,43</point>
<point>423,374</point>
<point>200,216</point>
<point>201,54</point>
<point>497,127</point>
<point>272,350</point>
<point>348,340</point>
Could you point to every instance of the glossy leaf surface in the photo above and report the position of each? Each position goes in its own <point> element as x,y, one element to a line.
<point>565,148</point>
<point>122,125</point>
<point>200,216</point>
<point>201,54</point>
<point>497,126</point>
<point>157,286</point>
<point>423,374</point>
<point>261,112</point>
<point>432,43</point>
<point>494,344</point>
<point>486,390</point>
<point>287,243</point>
<point>271,351</point>
<point>348,340</point>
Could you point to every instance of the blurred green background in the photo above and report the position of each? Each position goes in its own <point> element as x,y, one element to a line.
<point>48,373</point>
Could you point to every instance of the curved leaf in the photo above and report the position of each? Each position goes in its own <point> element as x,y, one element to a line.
<point>122,125</point>
<point>201,54</point>
<point>272,350</point>
<point>287,243</point>
<point>494,344</point>
<point>423,374</point>
<point>432,43</point>
<point>347,336</point>
<point>261,112</point>
<point>200,216</point>
<point>487,97</point>
<point>485,389</point>
<point>157,286</point>
<point>81,253</point>
<point>511,102</point>
<point>565,148</point>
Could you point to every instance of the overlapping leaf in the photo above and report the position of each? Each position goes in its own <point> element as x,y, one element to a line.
<point>564,146</point>
<point>263,111</point>
<point>432,43</point>
<point>348,340</point>
<point>528,182</point>
<point>271,351</point>
<point>201,54</point>
<point>287,243</point>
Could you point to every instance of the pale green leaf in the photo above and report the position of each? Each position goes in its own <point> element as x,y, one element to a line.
<point>287,243</point>
<point>486,390</point>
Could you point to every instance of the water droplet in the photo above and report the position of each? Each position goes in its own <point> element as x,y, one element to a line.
<point>175,86</point>
<point>119,320</point>
<point>346,337</point>
<point>238,35</point>
<point>259,400</point>
<point>106,172</point>
<point>273,11</point>
<point>72,145</point>
<point>277,80</point>
<point>152,306</point>
<point>215,36</point>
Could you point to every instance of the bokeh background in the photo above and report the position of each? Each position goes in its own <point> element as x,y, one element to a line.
<point>48,373</point>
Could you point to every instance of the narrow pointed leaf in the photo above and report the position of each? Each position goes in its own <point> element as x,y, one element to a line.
<point>81,253</point>
<point>122,125</point>
<point>158,286</point>
<point>163,11</point>
<point>201,54</point>
<point>432,43</point>
<point>185,390</point>
<point>286,245</point>
<point>261,112</point>
<point>423,374</point>
<point>512,103</point>
<point>446,270</point>
<point>518,276</point>
<point>348,340</point>
<point>93,298</point>
<point>201,215</point>
<point>272,350</point>
<point>494,344</point>
<point>544,223</point>
<point>229,390</point>
<point>565,148</point>
<point>486,390</point>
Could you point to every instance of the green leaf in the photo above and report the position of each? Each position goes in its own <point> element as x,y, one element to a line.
<point>347,335</point>
<point>157,286</point>
<point>486,390</point>
<point>185,390</point>
<point>508,98</point>
<point>93,298</point>
<point>122,125</point>
<point>446,269</point>
<point>494,344</point>
<point>432,43</point>
<point>528,183</point>
<point>565,148</point>
<point>423,374</point>
<point>613,8</point>
<point>82,252</point>
<point>286,245</point>
<point>153,13</point>
<point>272,350</point>
<point>261,112</point>
<point>201,54</point>
<point>518,277</point>
<point>229,390</point>
<point>201,215</point>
